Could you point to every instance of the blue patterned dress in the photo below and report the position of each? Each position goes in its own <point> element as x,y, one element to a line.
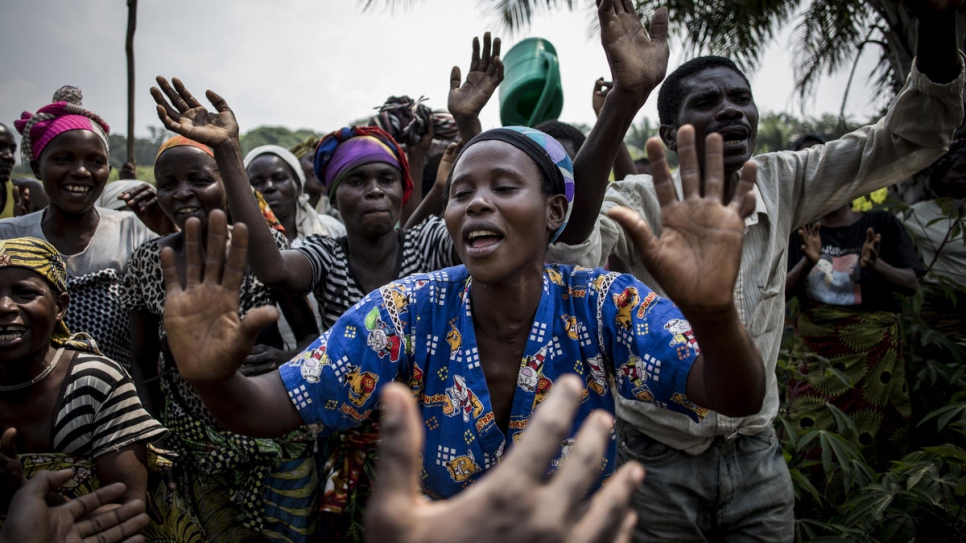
<point>419,330</point>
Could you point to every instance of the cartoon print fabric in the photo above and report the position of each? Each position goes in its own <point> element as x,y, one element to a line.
<point>419,330</point>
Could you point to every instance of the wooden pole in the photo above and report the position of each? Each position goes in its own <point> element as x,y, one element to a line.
<point>132,19</point>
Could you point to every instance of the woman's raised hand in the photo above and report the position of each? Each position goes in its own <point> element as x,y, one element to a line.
<point>696,258</point>
<point>467,98</point>
<point>208,339</point>
<point>183,113</point>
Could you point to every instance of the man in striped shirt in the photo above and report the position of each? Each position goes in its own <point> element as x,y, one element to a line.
<point>726,477</point>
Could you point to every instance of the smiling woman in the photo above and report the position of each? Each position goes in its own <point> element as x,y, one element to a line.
<point>366,176</point>
<point>66,146</point>
<point>62,403</point>
<point>274,477</point>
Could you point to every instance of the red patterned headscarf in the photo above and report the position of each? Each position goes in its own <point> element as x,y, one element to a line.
<point>352,146</point>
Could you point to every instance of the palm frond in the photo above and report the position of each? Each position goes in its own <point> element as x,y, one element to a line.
<point>390,4</point>
<point>739,29</point>
<point>828,35</point>
<point>516,15</point>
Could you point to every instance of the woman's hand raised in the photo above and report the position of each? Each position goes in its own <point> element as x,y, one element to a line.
<point>208,339</point>
<point>183,113</point>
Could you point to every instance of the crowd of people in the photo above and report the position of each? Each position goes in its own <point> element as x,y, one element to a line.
<point>419,330</point>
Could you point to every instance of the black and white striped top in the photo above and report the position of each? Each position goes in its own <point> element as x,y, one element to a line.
<point>425,247</point>
<point>99,410</point>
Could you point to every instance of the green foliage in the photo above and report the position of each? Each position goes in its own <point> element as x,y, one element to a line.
<point>637,137</point>
<point>919,497</point>
<point>777,131</point>
<point>273,135</point>
<point>145,149</point>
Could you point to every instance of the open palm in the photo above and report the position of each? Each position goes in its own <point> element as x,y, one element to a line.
<point>209,341</point>
<point>696,257</point>
<point>183,113</point>
<point>467,98</point>
<point>637,59</point>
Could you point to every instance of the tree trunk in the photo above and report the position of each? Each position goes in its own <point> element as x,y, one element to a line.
<point>132,19</point>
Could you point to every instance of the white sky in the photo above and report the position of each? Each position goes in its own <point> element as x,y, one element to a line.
<point>315,64</point>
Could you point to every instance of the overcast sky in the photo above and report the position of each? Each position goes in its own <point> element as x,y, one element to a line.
<point>315,64</point>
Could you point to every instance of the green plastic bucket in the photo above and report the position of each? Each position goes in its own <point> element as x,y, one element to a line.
<point>531,92</point>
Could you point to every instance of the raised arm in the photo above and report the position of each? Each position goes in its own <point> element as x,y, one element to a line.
<point>623,163</point>
<point>467,98</point>
<point>432,204</point>
<point>638,62</point>
<point>209,341</point>
<point>696,262</point>
<point>183,114</point>
<point>937,53</point>
<point>416,154</point>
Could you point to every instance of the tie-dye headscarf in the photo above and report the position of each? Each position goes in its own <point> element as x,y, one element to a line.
<point>352,146</point>
<point>43,259</point>
<point>65,114</point>
<point>550,157</point>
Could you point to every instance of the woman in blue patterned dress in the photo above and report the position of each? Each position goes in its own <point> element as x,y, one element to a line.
<point>481,344</point>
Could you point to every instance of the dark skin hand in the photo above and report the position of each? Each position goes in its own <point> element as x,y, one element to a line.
<point>34,520</point>
<point>12,477</point>
<point>812,249</point>
<point>432,204</point>
<point>467,98</point>
<point>937,53</point>
<point>698,234</point>
<point>638,62</point>
<point>143,201</point>
<point>515,502</point>
<point>812,244</point>
<point>219,315</point>
<point>23,205</point>
<point>181,112</point>
<point>903,278</point>
<point>29,196</point>
<point>209,341</point>
<point>416,154</point>
<point>870,249</point>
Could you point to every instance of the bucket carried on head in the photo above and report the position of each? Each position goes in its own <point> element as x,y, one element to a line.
<point>531,92</point>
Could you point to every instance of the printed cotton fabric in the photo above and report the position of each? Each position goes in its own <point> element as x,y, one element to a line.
<point>419,330</point>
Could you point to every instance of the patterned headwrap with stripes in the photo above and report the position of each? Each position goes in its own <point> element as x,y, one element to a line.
<point>304,147</point>
<point>549,156</point>
<point>407,120</point>
<point>43,259</point>
<point>65,114</point>
<point>342,150</point>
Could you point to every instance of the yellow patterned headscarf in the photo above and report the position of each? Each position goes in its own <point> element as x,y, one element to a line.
<point>43,259</point>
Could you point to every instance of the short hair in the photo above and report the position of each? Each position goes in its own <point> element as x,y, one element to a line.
<point>563,132</point>
<point>799,143</point>
<point>672,90</point>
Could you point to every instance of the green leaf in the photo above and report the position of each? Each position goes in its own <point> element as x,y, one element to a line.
<point>842,420</point>
<point>948,451</point>
<point>916,475</point>
<point>802,482</point>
